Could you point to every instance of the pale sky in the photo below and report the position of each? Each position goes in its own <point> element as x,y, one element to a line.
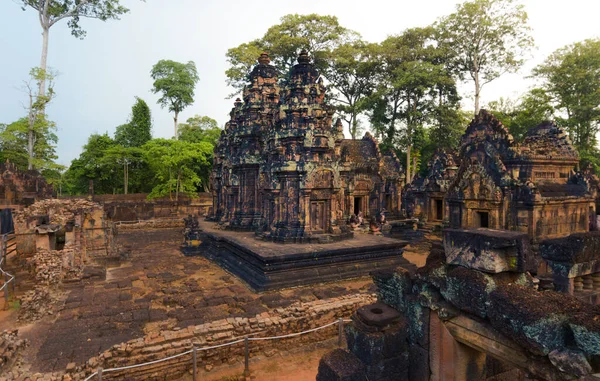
<point>100,75</point>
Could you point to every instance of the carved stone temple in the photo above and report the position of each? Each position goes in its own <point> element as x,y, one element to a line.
<point>283,168</point>
<point>530,187</point>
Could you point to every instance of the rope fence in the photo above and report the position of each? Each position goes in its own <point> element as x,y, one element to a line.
<point>246,340</point>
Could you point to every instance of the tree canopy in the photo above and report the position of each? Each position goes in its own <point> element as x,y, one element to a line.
<point>571,77</point>
<point>317,34</point>
<point>176,82</point>
<point>486,38</point>
<point>138,130</point>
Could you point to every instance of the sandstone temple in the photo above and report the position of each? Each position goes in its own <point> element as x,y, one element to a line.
<point>493,182</point>
<point>283,168</point>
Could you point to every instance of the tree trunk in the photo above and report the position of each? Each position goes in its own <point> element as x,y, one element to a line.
<point>175,120</point>
<point>125,177</point>
<point>477,86</point>
<point>44,59</point>
<point>30,133</point>
<point>177,189</point>
<point>408,164</point>
<point>414,160</point>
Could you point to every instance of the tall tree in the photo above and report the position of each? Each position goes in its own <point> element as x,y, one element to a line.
<point>91,165</point>
<point>317,34</point>
<point>571,76</point>
<point>37,121</point>
<point>176,82</point>
<point>407,96</point>
<point>139,129</point>
<point>349,71</point>
<point>124,156</point>
<point>199,129</point>
<point>51,12</point>
<point>487,38</point>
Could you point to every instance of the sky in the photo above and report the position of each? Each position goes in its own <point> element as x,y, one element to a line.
<point>100,76</point>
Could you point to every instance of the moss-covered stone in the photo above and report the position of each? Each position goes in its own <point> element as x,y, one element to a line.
<point>468,290</point>
<point>418,322</point>
<point>373,347</point>
<point>393,286</point>
<point>536,320</point>
<point>586,332</point>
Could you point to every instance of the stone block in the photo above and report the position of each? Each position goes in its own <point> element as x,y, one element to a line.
<point>536,320</point>
<point>418,322</point>
<point>377,333</point>
<point>468,290</point>
<point>586,332</point>
<point>393,369</point>
<point>570,361</point>
<point>418,369</point>
<point>576,248</point>
<point>393,286</point>
<point>487,250</point>
<point>340,365</point>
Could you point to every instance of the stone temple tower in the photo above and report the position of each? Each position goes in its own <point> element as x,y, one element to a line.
<point>283,169</point>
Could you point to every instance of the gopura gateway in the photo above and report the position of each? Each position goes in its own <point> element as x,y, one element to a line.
<point>283,168</point>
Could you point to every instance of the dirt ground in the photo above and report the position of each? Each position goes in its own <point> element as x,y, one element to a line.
<point>157,287</point>
<point>298,365</point>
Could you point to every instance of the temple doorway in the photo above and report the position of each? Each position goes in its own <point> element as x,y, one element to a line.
<point>439,210</point>
<point>318,216</point>
<point>482,219</point>
<point>358,207</point>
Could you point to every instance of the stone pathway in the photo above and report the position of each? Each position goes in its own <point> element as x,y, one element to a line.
<point>157,288</point>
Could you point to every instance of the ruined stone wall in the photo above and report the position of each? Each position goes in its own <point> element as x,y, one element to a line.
<point>134,207</point>
<point>281,321</point>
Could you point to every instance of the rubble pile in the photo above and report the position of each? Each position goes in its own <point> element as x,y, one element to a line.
<point>47,265</point>
<point>37,303</point>
<point>59,211</point>
<point>10,346</point>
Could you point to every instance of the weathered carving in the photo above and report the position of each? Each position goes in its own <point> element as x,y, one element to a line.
<point>283,168</point>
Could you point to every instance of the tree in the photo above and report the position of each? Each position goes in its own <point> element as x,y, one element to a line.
<point>199,129</point>
<point>125,156</point>
<point>91,165</point>
<point>37,123</point>
<point>408,91</point>
<point>177,165</point>
<point>176,81</point>
<point>14,139</point>
<point>139,129</point>
<point>487,38</point>
<point>52,11</point>
<point>317,34</point>
<point>527,112</point>
<point>571,77</point>
<point>349,70</point>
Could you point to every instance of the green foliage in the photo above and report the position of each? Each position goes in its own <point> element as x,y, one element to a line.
<point>349,70</point>
<point>14,143</point>
<point>571,76</point>
<point>139,129</point>
<point>176,82</point>
<point>199,129</point>
<point>415,90</point>
<point>52,11</point>
<point>178,165</point>
<point>485,38</point>
<point>317,34</point>
<point>528,112</point>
